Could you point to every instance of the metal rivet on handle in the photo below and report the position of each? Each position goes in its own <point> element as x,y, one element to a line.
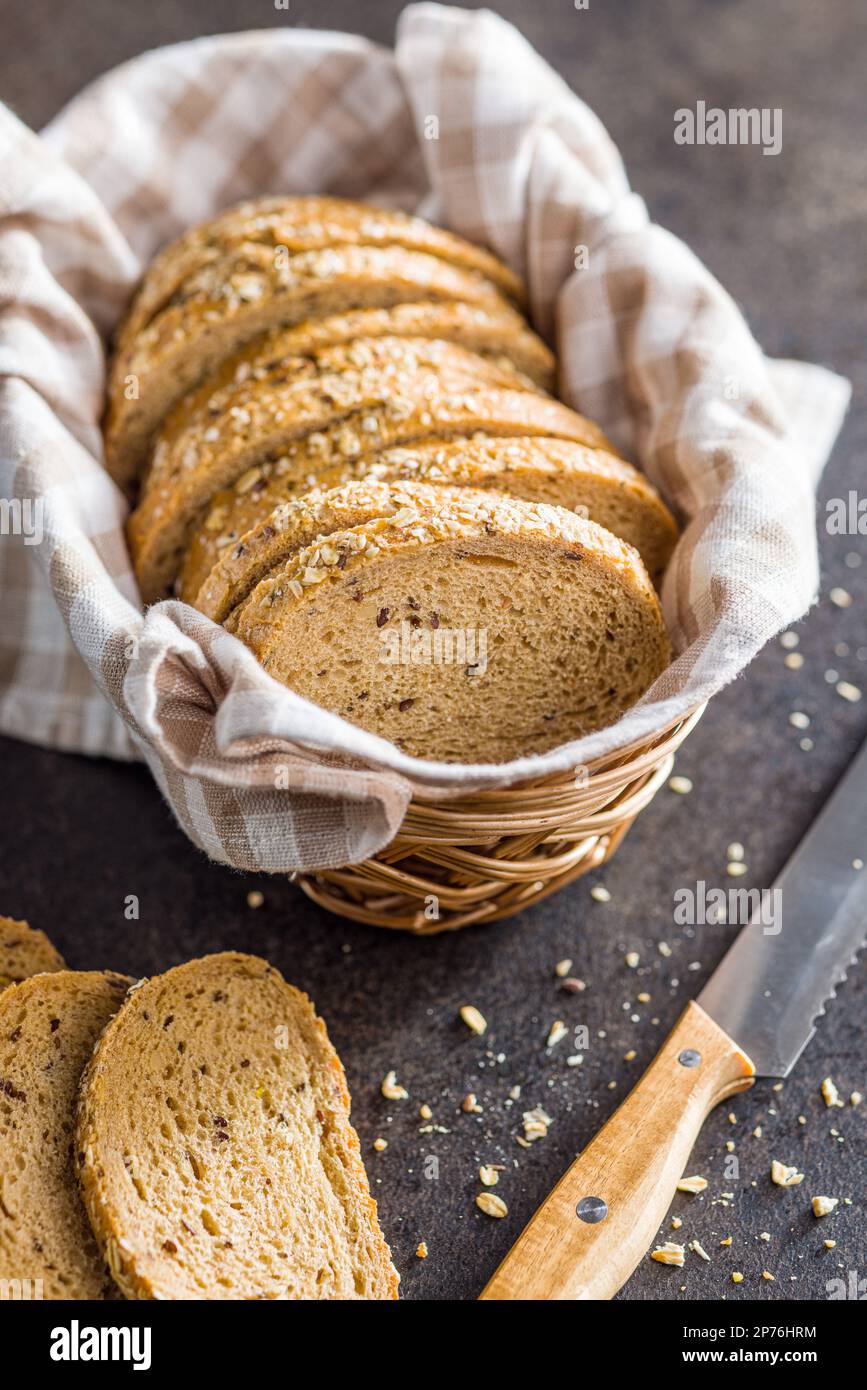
<point>689,1057</point>
<point>592,1209</point>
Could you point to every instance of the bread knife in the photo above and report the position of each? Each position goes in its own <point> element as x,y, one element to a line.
<point>754,1017</point>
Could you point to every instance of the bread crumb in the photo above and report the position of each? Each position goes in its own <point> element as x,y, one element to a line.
<point>765,1235</point>
<point>736,869</point>
<point>855,1098</point>
<point>767,1275</point>
<point>255,898</point>
<point>669,1254</point>
<point>823,1206</point>
<point>830,1094</point>
<point>735,851</point>
<point>488,1175</point>
<point>380,1145</point>
<point>789,640</point>
<point>694,1184</point>
<point>784,1176</point>
<point>425,1112</point>
<point>470,1105</point>
<point>421,1250</point>
<point>632,959</point>
<point>794,661</point>
<point>830,1244</point>
<point>600,894</point>
<point>475,1021</point>
<point>799,720</point>
<point>699,1250</point>
<point>727,1241</point>
<point>630,1056</point>
<point>562,968</point>
<point>663,948</point>
<point>676,1223</point>
<point>737,1277</point>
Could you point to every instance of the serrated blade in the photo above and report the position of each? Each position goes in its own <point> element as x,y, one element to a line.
<point>771,986</point>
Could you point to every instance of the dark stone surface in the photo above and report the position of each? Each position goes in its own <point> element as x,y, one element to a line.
<point>786,237</point>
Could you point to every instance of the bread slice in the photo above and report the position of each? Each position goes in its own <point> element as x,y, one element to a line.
<point>498,332</point>
<point>371,410</point>
<point>302,224</point>
<point>244,294</point>
<point>217,1159</point>
<point>48,1027</point>
<point>493,630</point>
<point>24,952</point>
<point>220,569</point>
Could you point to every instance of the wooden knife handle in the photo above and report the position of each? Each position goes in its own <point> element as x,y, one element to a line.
<point>625,1179</point>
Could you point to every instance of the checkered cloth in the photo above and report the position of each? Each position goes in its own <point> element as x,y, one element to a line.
<point>466,125</point>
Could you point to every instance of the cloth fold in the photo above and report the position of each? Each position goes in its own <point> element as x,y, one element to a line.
<point>465,124</point>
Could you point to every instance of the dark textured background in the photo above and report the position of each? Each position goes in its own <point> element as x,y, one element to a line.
<point>786,236</point>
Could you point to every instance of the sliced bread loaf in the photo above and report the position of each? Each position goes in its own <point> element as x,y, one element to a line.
<point>219,572</point>
<point>493,630</point>
<point>243,295</point>
<point>369,410</point>
<point>299,225</point>
<point>25,952</point>
<point>217,1159</point>
<point>48,1027</point>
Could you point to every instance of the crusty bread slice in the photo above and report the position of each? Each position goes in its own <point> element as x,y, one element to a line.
<point>25,952</point>
<point>495,629</point>
<point>48,1027</point>
<point>372,408</point>
<point>243,295</point>
<point>217,1159</point>
<point>498,332</point>
<point>301,224</point>
<point>220,570</point>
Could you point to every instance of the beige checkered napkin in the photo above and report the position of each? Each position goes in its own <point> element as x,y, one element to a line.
<point>465,124</point>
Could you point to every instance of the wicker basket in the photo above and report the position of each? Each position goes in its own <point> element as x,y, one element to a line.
<point>486,856</point>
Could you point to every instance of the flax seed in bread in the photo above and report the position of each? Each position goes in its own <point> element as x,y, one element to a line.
<point>25,952</point>
<point>220,571</point>
<point>217,1159</point>
<point>243,295</point>
<point>350,415</point>
<point>298,225</point>
<point>493,630</point>
<point>48,1027</point>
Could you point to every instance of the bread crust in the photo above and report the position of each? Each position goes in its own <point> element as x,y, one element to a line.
<point>315,623</point>
<point>233,1171</point>
<point>243,295</point>
<point>221,567</point>
<point>303,224</point>
<point>356,414</point>
<point>49,1024</point>
<point>24,951</point>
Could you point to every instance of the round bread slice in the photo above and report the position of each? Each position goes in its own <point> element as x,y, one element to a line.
<point>372,409</point>
<point>48,1028</point>
<point>217,1160</point>
<point>25,952</point>
<point>499,332</point>
<point>493,630</point>
<point>243,295</point>
<point>219,573</point>
<point>302,224</point>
